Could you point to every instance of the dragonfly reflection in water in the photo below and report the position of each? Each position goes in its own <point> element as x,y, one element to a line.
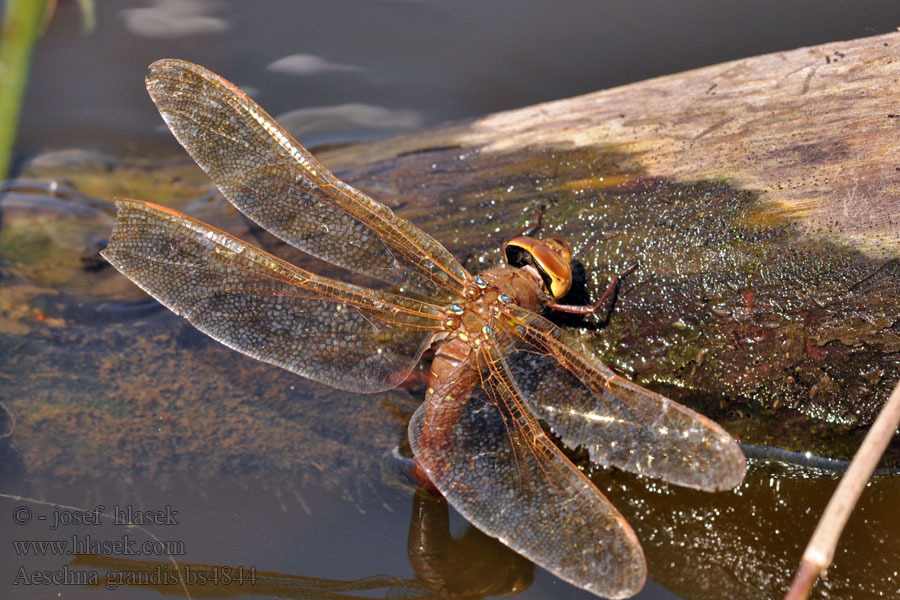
<point>499,368</point>
<point>470,567</point>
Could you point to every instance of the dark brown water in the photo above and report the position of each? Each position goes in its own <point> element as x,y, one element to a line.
<point>116,402</point>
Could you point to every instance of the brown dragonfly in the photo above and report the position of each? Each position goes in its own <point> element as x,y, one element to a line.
<point>500,367</point>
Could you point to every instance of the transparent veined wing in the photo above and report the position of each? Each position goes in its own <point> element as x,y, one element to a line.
<point>620,423</point>
<point>489,457</point>
<point>276,182</point>
<point>346,336</point>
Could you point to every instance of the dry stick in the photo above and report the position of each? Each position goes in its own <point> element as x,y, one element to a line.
<point>820,551</point>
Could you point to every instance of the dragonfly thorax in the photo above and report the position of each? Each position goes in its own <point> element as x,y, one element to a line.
<point>485,296</point>
<point>521,286</point>
<point>468,322</point>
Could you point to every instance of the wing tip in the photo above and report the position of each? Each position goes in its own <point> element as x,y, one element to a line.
<point>738,470</point>
<point>166,75</point>
<point>727,472</point>
<point>163,66</point>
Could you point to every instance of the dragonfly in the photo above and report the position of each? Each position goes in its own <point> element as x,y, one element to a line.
<point>500,368</point>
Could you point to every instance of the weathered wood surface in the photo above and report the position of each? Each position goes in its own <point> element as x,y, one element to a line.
<point>814,130</point>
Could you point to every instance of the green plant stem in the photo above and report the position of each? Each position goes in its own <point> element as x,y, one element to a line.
<point>22,21</point>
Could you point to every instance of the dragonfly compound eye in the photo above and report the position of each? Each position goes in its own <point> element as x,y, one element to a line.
<point>552,258</point>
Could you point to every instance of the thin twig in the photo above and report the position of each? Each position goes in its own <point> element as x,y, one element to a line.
<point>820,551</point>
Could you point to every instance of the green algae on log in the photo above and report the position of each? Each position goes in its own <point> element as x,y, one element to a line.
<point>759,198</point>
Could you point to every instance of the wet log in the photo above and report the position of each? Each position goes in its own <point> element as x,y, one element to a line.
<point>760,199</point>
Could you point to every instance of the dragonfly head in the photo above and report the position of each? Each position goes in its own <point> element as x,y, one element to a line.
<point>552,259</point>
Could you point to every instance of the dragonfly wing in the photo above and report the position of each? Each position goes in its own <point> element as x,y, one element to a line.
<point>620,423</point>
<point>276,182</point>
<point>326,330</point>
<point>488,456</point>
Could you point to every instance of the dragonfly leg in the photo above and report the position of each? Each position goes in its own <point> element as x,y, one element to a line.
<point>409,469</point>
<point>422,478</point>
<point>589,309</point>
